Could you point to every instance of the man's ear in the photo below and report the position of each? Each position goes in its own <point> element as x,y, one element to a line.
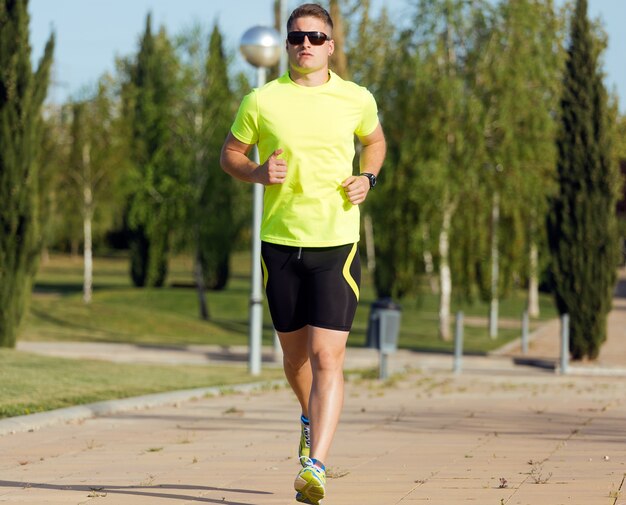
<point>331,47</point>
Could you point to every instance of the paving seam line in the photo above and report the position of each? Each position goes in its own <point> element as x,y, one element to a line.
<point>33,422</point>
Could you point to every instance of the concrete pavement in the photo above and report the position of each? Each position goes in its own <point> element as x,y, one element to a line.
<point>504,437</point>
<point>497,434</point>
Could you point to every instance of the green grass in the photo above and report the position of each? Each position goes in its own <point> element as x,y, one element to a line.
<point>169,316</point>
<point>30,383</point>
<point>121,313</point>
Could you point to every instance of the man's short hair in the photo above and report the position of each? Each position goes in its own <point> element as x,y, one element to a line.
<point>310,11</point>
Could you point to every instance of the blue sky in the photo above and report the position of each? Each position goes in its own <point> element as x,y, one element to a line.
<point>91,33</point>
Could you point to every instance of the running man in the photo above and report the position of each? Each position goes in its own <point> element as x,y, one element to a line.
<point>304,124</point>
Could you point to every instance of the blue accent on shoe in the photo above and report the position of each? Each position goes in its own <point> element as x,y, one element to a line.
<point>318,463</point>
<point>303,499</point>
<point>304,419</point>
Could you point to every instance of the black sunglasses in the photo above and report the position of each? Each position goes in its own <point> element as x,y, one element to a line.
<point>315,38</point>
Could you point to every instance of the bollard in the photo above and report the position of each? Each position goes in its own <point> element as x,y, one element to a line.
<point>389,321</point>
<point>382,331</point>
<point>525,332</point>
<point>383,367</point>
<point>564,343</point>
<point>458,343</point>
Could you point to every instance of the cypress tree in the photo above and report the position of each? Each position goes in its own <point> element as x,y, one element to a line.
<point>582,224</point>
<point>206,106</point>
<point>22,93</point>
<point>215,219</point>
<point>149,106</point>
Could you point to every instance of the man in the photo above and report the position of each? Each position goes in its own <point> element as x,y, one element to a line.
<point>304,123</point>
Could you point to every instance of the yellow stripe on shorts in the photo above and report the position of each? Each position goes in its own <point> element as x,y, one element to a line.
<point>346,271</point>
<point>265,274</point>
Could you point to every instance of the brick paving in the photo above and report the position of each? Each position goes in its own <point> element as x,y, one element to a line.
<point>497,434</point>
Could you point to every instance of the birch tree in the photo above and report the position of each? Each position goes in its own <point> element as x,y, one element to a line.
<point>95,159</point>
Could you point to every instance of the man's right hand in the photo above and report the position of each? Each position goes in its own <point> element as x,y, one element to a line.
<point>274,170</point>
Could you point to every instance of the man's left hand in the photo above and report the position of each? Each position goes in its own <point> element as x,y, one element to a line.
<point>356,187</point>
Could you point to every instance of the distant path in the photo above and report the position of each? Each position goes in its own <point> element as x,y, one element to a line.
<point>545,343</point>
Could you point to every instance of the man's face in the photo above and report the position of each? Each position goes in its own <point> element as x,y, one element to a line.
<point>306,57</point>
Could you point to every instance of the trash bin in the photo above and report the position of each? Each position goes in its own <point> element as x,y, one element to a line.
<point>384,325</point>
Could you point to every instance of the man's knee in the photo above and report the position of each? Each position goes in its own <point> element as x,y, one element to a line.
<point>327,359</point>
<point>295,361</point>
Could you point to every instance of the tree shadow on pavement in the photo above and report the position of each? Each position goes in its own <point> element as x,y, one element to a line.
<point>103,489</point>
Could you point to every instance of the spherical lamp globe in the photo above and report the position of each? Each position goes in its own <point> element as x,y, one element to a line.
<point>260,46</point>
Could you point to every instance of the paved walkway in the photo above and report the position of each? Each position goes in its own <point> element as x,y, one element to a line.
<point>528,438</point>
<point>496,434</point>
<point>544,345</point>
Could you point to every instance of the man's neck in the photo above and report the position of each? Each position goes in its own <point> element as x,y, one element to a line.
<point>311,79</point>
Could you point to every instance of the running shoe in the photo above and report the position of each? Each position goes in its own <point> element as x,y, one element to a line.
<point>310,483</point>
<point>305,441</point>
<point>300,498</point>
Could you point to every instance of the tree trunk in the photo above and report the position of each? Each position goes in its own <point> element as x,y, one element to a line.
<point>87,219</point>
<point>495,266</point>
<point>533,282</point>
<point>87,259</point>
<point>339,61</point>
<point>199,276</point>
<point>445,276</point>
<point>429,265</point>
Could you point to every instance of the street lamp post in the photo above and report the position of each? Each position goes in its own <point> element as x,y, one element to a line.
<point>260,47</point>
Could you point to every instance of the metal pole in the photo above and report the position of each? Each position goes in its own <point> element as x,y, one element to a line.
<point>564,343</point>
<point>383,371</point>
<point>525,332</point>
<point>256,293</point>
<point>458,343</point>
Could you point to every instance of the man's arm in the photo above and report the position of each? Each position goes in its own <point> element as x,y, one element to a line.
<point>373,151</point>
<point>234,161</point>
<point>371,161</point>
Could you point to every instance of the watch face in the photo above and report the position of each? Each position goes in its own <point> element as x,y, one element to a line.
<point>371,178</point>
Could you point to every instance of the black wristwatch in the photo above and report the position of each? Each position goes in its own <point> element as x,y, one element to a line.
<point>371,177</point>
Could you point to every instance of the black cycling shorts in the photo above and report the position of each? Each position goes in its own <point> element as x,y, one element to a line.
<point>317,286</point>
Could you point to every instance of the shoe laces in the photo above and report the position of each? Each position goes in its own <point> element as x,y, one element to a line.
<point>306,431</point>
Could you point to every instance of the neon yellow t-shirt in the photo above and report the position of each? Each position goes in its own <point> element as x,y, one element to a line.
<point>315,128</point>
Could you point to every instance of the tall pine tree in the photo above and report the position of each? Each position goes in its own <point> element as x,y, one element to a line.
<point>149,105</point>
<point>582,225</point>
<point>217,228</point>
<point>207,106</point>
<point>22,93</point>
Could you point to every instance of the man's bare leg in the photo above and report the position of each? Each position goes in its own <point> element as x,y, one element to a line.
<point>327,350</point>
<point>295,345</point>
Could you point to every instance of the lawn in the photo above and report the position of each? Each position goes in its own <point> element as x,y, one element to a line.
<point>30,383</point>
<point>169,315</point>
